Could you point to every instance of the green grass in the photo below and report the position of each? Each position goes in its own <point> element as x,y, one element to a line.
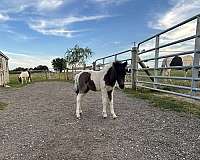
<point>37,77</point>
<point>164,102</point>
<point>2,105</point>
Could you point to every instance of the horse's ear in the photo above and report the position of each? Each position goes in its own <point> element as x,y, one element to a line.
<point>125,64</point>
<point>114,64</point>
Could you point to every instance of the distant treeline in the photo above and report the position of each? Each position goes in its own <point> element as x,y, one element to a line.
<point>35,69</point>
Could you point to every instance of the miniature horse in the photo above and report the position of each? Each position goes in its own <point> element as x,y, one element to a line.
<point>24,76</point>
<point>103,81</point>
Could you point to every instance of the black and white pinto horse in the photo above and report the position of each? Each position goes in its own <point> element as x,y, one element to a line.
<point>25,75</point>
<point>175,61</point>
<point>103,81</point>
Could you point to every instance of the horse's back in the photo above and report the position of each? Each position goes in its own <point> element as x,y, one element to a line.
<point>187,60</point>
<point>24,74</point>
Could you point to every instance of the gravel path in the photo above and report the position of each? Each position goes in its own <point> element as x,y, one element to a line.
<point>39,123</point>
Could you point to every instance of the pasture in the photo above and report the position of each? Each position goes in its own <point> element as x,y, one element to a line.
<point>38,77</point>
<point>40,123</point>
<point>174,73</point>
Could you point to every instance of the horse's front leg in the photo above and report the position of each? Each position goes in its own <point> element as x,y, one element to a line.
<point>110,97</point>
<point>78,107</point>
<point>105,102</point>
<point>22,80</point>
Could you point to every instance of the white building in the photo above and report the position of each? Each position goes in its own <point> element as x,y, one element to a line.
<point>4,71</point>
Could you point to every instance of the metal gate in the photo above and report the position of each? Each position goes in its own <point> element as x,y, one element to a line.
<point>146,62</point>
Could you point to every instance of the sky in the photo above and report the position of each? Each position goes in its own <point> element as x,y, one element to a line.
<point>33,32</point>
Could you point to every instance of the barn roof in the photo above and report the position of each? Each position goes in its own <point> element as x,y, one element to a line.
<point>3,55</point>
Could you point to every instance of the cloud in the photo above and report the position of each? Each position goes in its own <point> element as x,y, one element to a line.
<point>179,11</point>
<point>35,5</point>
<point>108,2</point>
<point>4,17</point>
<point>26,60</point>
<point>34,14</point>
<point>49,4</point>
<point>57,26</point>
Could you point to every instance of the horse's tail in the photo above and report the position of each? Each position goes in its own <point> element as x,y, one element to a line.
<point>76,83</point>
<point>29,75</point>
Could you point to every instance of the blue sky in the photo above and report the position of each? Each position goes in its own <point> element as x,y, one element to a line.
<point>34,32</point>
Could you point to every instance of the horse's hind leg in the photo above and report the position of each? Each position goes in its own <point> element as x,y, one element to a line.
<point>78,106</point>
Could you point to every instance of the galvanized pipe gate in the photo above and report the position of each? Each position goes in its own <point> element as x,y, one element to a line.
<point>152,80</point>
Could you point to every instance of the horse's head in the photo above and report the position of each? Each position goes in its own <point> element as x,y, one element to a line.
<point>120,69</point>
<point>20,79</point>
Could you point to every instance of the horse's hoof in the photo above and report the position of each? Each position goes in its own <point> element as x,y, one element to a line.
<point>104,115</point>
<point>78,117</point>
<point>114,117</point>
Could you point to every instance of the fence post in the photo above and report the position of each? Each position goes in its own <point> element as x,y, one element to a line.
<point>134,67</point>
<point>156,61</point>
<point>115,58</point>
<point>46,74</point>
<point>84,66</point>
<point>94,65</point>
<point>196,58</point>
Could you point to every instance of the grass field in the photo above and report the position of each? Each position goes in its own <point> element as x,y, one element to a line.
<point>164,102</point>
<point>174,73</point>
<point>38,77</point>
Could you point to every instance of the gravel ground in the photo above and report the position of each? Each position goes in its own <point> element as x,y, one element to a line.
<point>39,123</point>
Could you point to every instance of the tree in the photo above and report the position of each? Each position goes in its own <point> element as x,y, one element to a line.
<point>76,56</point>
<point>20,69</point>
<point>59,64</point>
<point>41,68</point>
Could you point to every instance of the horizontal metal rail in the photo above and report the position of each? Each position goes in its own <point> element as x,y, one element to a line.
<point>170,44</point>
<point>170,85</point>
<point>171,55</point>
<point>171,92</point>
<point>113,55</point>
<point>176,78</point>
<point>172,67</point>
<point>169,29</point>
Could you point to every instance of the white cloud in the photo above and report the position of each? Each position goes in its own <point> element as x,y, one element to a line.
<point>27,61</point>
<point>57,27</point>
<point>4,17</point>
<point>107,2</point>
<point>180,11</point>
<point>61,22</point>
<point>37,5</point>
<point>49,4</point>
<point>116,42</point>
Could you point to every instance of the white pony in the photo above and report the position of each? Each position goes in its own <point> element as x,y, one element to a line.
<point>25,75</point>
<point>176,61</point>
<point>103,81</point>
